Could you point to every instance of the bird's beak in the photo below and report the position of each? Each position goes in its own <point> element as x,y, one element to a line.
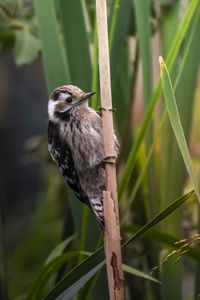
<point>86,96</point>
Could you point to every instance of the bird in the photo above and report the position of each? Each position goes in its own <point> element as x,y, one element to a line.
<point>75,142</point>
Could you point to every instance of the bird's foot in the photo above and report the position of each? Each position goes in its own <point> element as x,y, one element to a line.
<point>102,108</point>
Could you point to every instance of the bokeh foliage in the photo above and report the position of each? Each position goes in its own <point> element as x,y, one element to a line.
<point>152,175</point>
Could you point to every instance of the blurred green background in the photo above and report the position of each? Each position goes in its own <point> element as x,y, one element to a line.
<point>50,244</point>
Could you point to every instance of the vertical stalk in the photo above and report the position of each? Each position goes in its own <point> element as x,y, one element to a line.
<point>111,212</point>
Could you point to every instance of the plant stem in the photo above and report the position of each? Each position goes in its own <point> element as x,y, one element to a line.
<point>111,212</point>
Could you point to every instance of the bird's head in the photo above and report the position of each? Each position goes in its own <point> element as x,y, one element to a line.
<point>65,98</point>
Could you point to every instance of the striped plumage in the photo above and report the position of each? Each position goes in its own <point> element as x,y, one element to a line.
<point>76,144</point>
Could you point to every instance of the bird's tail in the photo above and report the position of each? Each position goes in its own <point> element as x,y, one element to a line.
<point>96,204</point>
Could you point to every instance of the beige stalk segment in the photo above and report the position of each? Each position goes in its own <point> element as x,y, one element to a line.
<point>112,239</point>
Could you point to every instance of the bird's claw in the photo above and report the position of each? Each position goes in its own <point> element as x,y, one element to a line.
<point>109,160</point>
<point>110,109</point>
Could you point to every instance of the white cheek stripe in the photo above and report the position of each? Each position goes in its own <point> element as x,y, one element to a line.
<point>51,108</point>
<point>52,104</point>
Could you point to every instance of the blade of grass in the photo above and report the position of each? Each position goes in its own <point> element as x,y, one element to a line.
<point>97,257</point>
<point>176,123</point>
<point>142,15</point>
<point>49,269</point>
<point>59,249</point>
<point>125,177</point>
<point>188,53</point>
<point>95,69</point>
<point>84,231</point>
<point>76,43</point>
<point>138,182</point>
<point>164,238</point>
<point>119,25</point>
<point>67,294</point>
<point>161,216</point>
<point>121,90</point>
<point>54,60</point>
<point>118,30</point>
<point>76,274</point>
<point>133,271</point>
<point>117,4</point>
<point>173,174</point>
<point>168,189</point>
<point>79,213</point>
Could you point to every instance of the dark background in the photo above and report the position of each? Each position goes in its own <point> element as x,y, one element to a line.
<point>23,115</point>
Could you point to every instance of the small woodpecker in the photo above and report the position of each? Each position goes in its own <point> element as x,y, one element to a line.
<point>75,142</point>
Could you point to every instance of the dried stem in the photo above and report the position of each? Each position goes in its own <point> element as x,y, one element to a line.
<point>112,239</point>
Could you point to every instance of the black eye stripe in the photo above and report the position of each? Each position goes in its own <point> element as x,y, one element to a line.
<point>56,95</point>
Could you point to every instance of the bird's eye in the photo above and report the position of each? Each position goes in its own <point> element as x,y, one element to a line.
<point>69,99</point>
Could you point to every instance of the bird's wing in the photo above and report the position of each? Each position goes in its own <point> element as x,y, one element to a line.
<point>62,155</point>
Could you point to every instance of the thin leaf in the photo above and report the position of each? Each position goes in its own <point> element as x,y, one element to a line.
<point>187,18</point>
<point>66,291</point>
<point>79,271</point>
<point>76,286</point>
<point>42,279</point>
<point>59,249</point>
<point>95,69</point>
<point>164,238</point>
<point>96,258</point>
<point>176,123</point>
<point>113,24</point>
<point>142,15</point>
<point>129,201</point>
<point>187,56</point>
<point>54,59</point>
<point>76,43</point>
<point>138,273</point>
<point>118,30</point>
<point>161,216</point>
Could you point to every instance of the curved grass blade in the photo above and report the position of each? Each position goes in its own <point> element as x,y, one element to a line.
<point>137,184</point>
<point>176,123</point>
<point>77,273</point>
<point>41,281</point>
<point>118,31</point>
<point>113,24</point>
<point>76,42</point>
<point>56,70</point>
<point>142,15</point>
<point>188,16</point>
<point>57,251</point>
<point>96,258</point>
<point>185,58</point>
<point>76,286</point>
<point>95,87</point>
<point>138,273</point>
<point>164,238</point>
<point>161,216</point>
